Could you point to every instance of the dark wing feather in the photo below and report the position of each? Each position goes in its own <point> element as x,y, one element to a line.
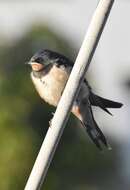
<point>103,103</point>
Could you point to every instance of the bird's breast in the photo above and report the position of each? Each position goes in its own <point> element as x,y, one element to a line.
<point>51,85</point>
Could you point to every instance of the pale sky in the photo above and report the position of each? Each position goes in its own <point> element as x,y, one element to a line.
<point>71,19</point>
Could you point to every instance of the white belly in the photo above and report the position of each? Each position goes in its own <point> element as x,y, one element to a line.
<point>50,86</point>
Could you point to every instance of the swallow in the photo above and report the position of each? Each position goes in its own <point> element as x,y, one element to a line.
<point>50,72</point>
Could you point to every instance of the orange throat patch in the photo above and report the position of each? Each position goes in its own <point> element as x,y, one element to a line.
<point>37,66</point>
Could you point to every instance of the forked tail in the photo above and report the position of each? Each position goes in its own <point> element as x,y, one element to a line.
<point>93,130</point>
<point>103,103</point>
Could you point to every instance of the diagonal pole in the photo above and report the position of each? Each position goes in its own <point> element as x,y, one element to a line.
<point>62,113</point>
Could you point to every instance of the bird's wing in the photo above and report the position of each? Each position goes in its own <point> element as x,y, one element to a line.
<point>103,103</point>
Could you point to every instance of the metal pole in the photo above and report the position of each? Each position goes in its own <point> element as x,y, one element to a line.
<point>60,118</point>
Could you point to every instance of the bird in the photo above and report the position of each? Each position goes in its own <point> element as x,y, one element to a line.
<point>49,73</point>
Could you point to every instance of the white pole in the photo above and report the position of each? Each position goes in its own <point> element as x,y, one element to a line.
<point>60,118</point>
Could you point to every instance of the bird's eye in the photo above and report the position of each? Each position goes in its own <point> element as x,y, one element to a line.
<point>39,60</point>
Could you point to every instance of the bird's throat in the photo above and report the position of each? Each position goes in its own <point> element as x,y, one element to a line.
<point>37,66</point>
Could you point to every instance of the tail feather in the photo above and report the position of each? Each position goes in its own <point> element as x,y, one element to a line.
<point>93,137</point>
<point>93,130</point>
<point>97,136</point>
<point>103,103</point>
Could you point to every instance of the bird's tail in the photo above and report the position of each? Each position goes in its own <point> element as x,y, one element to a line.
<point>93,130</point>
<point>103,103</point>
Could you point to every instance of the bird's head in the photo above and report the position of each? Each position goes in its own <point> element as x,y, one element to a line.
<point>39,60</point>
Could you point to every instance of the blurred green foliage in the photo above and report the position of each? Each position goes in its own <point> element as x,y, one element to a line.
<point>24,118</point>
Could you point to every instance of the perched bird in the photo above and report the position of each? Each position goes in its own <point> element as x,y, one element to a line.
<point>50,72</point>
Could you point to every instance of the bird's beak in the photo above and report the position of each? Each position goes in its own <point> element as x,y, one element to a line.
<point>35,66</point>
<point>28,63</point>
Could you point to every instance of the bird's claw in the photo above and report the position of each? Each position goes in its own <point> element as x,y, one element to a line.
<point>50,123</point>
